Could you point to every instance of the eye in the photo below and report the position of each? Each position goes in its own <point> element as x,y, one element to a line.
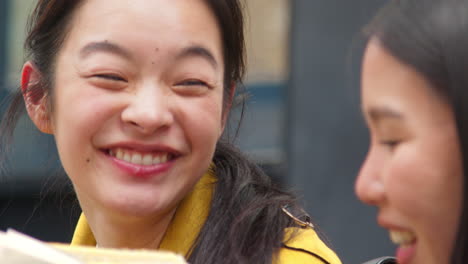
<point>109,81</point>
<point>192,87</point>
<point>391,144</point>
<point>110,77</point>
<point>192,82</point>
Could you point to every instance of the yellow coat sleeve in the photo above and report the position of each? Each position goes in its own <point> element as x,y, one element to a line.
<point>303,246</point>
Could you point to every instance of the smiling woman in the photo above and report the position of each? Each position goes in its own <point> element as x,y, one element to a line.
<point>414,93</point>
<point>137,95</point>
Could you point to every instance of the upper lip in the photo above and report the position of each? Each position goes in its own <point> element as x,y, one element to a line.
<point>140,147</point>
<point>385,223</point>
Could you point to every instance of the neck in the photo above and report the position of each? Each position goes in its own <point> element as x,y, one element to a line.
<point>116,231</point>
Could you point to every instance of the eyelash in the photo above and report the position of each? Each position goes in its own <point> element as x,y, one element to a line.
<point>110,77</point>
<point>116,78</point>
<point>390,143</point>
<point>194,83</point>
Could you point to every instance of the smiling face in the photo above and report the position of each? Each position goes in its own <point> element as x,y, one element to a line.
<point>412,172</point>
<point>137,103</point>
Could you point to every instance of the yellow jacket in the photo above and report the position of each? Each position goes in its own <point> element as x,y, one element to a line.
<point>306,247</point>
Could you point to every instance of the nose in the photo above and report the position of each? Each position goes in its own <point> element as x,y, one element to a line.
<point>369,185</point>
<point>148,110</point>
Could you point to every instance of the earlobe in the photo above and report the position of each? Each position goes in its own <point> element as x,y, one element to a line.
<point>35,97</point>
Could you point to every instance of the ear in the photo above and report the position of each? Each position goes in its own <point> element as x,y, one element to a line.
<point>35,98</point>
<point>229,102</point>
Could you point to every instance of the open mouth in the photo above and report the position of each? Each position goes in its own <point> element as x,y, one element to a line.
<point>402,238</point>
<point>140,158</point>
<point>406,242</point>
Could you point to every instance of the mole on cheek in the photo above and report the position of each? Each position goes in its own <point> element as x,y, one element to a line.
<point>88,160</point>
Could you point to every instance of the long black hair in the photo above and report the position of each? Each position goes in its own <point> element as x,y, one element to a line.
<point>432,37</point>
<point>246,223</point>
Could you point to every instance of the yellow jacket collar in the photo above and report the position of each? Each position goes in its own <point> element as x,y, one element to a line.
<point>184,228</point>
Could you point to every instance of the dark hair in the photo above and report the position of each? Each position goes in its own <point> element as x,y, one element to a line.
<point>432,37</point>
<point>246,223</point>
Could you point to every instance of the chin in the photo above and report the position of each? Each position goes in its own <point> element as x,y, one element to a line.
<point>135,207</point>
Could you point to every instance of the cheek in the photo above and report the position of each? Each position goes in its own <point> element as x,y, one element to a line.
<point>82,106</point>
<point>405,181</point>
<point>428,194</point>
<point>203,120</point>
<point>421,179</point>
<point>79,113</point>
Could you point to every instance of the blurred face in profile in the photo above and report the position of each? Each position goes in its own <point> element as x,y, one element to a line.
<point>412,172</point>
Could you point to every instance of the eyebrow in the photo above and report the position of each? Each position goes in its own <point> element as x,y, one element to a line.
<point>104,46</point>
<point>377,113</point>
<point>109,47</point>
<point>198,51</point>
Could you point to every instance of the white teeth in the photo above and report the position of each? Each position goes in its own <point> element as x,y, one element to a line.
<point>136,159</point>
<point>119,154</point>
<point>146,159</point>
<point>402,237</point>
<point>157,159</point>
<point>127,157</point>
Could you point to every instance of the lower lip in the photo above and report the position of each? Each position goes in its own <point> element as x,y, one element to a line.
<point>141,171</point>
<point>404,254</point>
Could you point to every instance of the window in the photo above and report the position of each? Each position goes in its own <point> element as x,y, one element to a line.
<point>267,34</point>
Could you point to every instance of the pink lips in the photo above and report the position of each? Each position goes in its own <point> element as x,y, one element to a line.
<point>141,171</point>
<point>404,254</point>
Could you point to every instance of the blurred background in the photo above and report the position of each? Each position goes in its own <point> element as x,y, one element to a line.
<point>302,122</point>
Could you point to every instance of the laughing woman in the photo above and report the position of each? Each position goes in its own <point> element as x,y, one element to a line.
<point>137,94</point>
<point>414,98</point>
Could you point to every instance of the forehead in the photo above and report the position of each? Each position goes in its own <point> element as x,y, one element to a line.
<point>388,83</point>
<point>161,24</point>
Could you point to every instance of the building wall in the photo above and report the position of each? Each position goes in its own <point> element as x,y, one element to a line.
<point>327,139</point>
<point>3,49</point>
<point>267,36</point>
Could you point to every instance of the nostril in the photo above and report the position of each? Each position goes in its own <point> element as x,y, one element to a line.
<point>134,123</point>
<point>146,120</point>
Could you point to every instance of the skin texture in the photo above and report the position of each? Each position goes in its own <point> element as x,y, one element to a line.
<point>412,172</point>
<point>140,75</point>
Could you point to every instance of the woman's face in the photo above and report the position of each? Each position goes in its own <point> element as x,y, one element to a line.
<point>137,103</point>
<point>413,170</point>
